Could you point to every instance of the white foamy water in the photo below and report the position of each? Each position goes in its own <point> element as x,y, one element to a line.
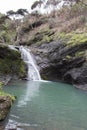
<point>33,73</point>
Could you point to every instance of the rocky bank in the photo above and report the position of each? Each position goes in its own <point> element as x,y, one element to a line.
<point>5,104</point>
<point>11,67</point>
<point>11,64</point>
<point>64,60</point>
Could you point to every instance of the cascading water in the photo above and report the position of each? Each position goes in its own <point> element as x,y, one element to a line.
<point>33,73</point>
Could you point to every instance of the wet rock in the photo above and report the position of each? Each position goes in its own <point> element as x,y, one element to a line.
<point>1,127</point>
<point>11,64</point>
<point>5,104</point>
<point>81,86</point>
<point>57,61</point>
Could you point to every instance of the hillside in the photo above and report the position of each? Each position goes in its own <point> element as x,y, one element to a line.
<point>58,41</point>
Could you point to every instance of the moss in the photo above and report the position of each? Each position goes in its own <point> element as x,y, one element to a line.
<point>1,84</point>
<point>64,37</point>
<point>44,29</point>
<point>44,77</point>
<point>59,35</point>
<point>5,37</point>
<point>47,39</point>
<point>68,57</point>
<point>44,35</point>
<point>7,31</point>
<point>47,36</point>
<point>11,62</point>
<point>77,39</point>
<point>8,66</point>
<point>22,72</point>
<point>71,39</point>
<point>79,54</point>
<point>2,93</point>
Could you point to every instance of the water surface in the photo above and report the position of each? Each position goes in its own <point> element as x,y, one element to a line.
<point>47,106</point>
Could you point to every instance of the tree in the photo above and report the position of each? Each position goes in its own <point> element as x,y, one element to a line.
<point>52,5</point>
<point>36,4</point>
<point>10,13</point>
<point>21,12</point>
<point>3,18</point>
<point>76,1</point>
<point>52,2</point>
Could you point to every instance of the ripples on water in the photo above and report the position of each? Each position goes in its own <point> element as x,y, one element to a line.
<point>46,106</point>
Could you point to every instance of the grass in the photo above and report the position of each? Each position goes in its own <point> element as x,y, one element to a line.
<point>77,39</point>
<point>2,93</point>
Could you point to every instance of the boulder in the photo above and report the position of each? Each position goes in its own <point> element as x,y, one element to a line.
<point>11,64</point>
<point>59,61</point>
<point>5,104</point>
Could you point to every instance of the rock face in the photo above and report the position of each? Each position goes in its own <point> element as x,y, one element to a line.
<point>59,61</point>
<point>5,104</point>
<point>11,64</point>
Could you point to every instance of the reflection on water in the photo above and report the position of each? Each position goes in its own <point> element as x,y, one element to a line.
<point>30,91</point>
<point>47,106</point>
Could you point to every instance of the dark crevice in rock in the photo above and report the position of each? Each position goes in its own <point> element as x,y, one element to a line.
<point>57,61</point>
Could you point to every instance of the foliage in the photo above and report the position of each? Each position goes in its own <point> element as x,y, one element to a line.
<point>10,12</point>
<point>3,18</point>
<point>77,39</point>
<point>7,34</point>
<point>52,3</point>
<point>36,3</point>
<point>68,57</point>
<point>2,93</point>
<point>1,86</point>
<point>21,12</point>
<point>76,1</point>
<point>11,63</point>
<point>79,54</point>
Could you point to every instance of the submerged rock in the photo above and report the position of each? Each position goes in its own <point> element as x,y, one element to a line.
<point>5,104</point>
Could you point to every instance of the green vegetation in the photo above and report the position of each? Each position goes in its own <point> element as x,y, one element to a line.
<point>72,39</point>
<point>2,93</point>
<point>44,35</point>
<point>79,54</point>
<point>68,57</point>
<point>77,39</point>
<point>11,62</point>
<point>67,26</point>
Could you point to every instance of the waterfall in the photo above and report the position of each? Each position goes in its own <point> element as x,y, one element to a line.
<point>33,73</point>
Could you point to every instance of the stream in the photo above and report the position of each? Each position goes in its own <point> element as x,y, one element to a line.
<point>46,106</point>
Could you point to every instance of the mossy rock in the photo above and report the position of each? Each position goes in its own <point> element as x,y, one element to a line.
<point>5,104</point>
<point>77,39</point>
<point>44,35</point>
<point>80,53</point>
<point>72,39</point>
<point>11,62</point>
